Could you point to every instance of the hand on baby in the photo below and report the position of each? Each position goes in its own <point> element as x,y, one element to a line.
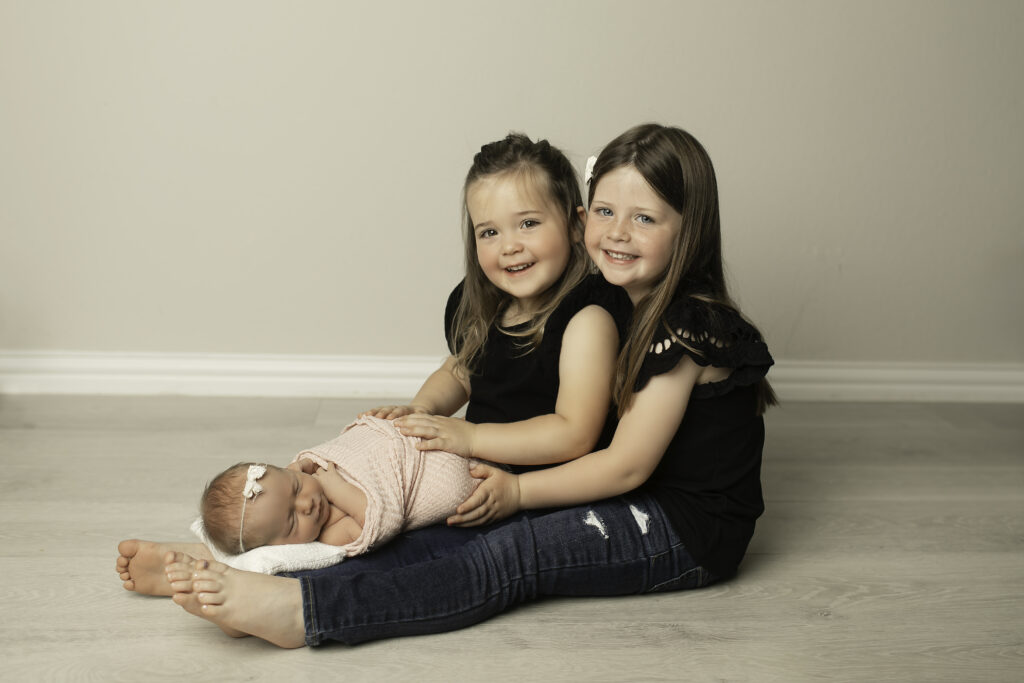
<point>437,433</point>
<point>392,412</point>
<point>495,498</point>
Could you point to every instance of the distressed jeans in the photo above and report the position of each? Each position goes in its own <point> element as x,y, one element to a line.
<point>440,579</point>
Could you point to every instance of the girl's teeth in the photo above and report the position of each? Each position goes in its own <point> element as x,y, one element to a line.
<point>621,257</point>
<point>516,269</point>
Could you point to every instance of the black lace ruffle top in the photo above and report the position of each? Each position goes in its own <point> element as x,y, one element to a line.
<point>709,480</point>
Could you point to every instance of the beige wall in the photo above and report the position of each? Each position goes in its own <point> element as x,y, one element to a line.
<point>272,177</point>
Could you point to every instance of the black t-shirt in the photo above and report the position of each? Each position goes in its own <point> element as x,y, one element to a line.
<point>510,386</point>
<point>709,480</point>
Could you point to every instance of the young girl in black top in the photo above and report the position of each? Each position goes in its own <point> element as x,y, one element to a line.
<point>678,488</point>
<point>533,337</point>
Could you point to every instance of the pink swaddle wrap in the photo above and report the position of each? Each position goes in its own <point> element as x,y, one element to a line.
<point>405,488</point>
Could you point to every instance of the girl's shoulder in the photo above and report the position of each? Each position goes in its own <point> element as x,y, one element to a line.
<point>710,333</point>
<point>449,313</point>
<point>593,290</point>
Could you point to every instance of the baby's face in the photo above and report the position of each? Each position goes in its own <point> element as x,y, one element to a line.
<point>291,509</point>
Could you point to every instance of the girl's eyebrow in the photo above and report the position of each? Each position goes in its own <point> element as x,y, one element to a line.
<point>642,209</point>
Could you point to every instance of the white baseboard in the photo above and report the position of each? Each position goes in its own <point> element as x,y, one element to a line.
<point>398,377</point>
<point>912,382</point>
<point>213,374</point>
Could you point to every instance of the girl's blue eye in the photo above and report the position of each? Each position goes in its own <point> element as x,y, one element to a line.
<point>644,218</point>
<point>602,211</point>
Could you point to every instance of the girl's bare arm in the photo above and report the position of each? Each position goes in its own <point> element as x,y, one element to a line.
<point>444,392</point>
<point>642,436</point>
<point>585,369</point>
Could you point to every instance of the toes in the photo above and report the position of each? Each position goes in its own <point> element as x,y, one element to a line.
<point>128,548</point>
<point>179,571</point>
<point>210,599</point>
<point>176,557</point>
<point>202,585</point>
<point>214,566</point>
<point>129,585</point>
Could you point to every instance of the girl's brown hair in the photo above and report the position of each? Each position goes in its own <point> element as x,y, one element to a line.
<point>679,170</point>
<point>552,176</point>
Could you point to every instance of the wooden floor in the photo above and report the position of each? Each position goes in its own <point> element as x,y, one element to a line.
<point>892,550</point>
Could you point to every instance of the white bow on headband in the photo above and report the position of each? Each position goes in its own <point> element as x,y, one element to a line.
<point>251,490</point>
<point>251,487</point>
<point>588,174</point>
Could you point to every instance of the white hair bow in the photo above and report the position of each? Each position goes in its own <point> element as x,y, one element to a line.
<point>251,490</point>
<point>588,174</point>
<point>251,487</point>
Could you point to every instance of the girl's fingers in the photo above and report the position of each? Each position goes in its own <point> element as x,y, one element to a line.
<point>477,499</point>
<point>469,518</point>
<point>481,471</point>
<point>475,517</point>
<point>417,420</point>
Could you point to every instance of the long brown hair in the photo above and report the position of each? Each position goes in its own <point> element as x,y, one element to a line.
<point>551,176</point>
<point>679,170</point>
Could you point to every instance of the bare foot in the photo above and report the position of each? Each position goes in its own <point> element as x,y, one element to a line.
<point>268,607</point>
<point>141,564</point>
<point>180,569</point>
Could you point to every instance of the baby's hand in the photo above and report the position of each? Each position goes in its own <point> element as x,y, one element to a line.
<point>321,474</point>
<point>391,412</point>
<point>303,465</point>
<point>438,433</point>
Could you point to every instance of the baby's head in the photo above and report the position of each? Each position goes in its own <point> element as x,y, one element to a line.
<point>249,505</point>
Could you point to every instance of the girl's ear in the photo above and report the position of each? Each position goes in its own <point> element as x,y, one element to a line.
<point>577,235</point>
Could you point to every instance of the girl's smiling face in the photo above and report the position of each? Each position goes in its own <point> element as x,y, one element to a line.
<point>631,231</point>
<point>522,240</point>
<point>292,508</point>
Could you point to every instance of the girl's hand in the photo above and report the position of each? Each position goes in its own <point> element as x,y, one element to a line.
<point>495,498</point>
<point>392,412</point>
<point>437,433</point>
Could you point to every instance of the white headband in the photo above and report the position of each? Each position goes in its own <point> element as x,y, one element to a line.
<point>251,490</point>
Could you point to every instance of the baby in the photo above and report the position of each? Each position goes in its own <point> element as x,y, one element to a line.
<point>358,491</point>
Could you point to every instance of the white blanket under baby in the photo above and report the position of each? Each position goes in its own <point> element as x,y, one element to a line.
<point>405,489</point>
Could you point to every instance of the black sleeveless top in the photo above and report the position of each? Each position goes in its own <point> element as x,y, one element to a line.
<point>709,480</point>
<point>510,386</point>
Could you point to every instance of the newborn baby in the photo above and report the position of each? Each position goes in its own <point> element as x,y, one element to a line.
<point>358,491</point>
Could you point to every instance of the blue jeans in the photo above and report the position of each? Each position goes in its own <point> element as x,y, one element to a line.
<point>440,579</point>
